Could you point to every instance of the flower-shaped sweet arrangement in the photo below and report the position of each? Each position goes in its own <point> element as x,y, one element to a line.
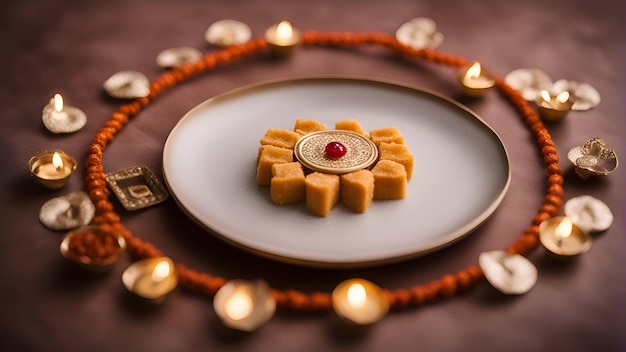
<point>324,167</point>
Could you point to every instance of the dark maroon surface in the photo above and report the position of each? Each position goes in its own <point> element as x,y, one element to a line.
<point>71,47</point>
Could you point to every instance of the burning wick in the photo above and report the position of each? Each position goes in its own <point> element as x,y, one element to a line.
<point>563,230</point>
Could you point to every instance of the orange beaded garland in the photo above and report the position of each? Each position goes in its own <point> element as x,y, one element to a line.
<point>205,284</point>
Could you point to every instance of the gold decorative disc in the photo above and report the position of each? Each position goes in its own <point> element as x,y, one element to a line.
<point>361,152</point>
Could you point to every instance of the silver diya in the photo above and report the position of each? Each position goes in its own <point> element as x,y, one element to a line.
<point>228,32</point>
<point>127,85</point>
<point>420,33</point>
<point>589,213</point>
<point>510,274</point>
<point>176,57</point>
<point>67,212</point>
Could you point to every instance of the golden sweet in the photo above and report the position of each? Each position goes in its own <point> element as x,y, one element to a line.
<point>389,180</point>
<point>287,183</point>
<point>357,190</point>
<point>322,192</point>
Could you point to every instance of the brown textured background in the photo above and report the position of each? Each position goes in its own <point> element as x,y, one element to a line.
<point>72,46</point>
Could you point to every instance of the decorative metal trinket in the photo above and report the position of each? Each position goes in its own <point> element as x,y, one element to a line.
<point>244,305</point>
<point>175,57</point>
<point>127,85</point>
<point>593,158</point>
<point>360,152</point>
<point>584,95</point>
<point>529,82</point>
<point>136,187</point>
<point>420,33</point>
<point>67,212</point>
<point>589,213</point>
<point>227,33</point>
<point>511,274</point>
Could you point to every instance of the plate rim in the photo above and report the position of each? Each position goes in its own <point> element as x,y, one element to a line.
<point>446,240</point>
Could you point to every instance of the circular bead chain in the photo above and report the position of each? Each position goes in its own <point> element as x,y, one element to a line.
<point>206,284</point>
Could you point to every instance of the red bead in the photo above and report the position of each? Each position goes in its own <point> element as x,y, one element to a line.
<point>335,150</point>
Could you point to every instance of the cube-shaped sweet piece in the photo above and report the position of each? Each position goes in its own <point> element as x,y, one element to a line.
<point>303,127</point>
<point>287,185</point>
<point>322,192</point>
<point>357,190</point>
<point>350,125</point>
<point>389,180</point>
<point>386,135</point>
<point>269,156</point>
<point>280,137</point>
<point>399,153</point>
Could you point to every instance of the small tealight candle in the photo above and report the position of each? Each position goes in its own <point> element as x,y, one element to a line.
<point>52,168</point>
<point>359,301</point>
<point>244,305</point>
<point>283,38</point>
<point>474,80</point>
<point>151,278</point>
<point>562,237</point>
<point>552,107</point>
<point>59,118</point>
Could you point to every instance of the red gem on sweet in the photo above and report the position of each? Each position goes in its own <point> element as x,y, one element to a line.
<point>335,150</point>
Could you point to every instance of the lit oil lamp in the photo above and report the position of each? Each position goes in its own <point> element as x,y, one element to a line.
<point>359,301</point>
<point>563,238</point>
<point>244,305</point>
<point>52,168</point>
<point>475,81</point>
<point>283,38</point>
<point>552,107</point>
<point>58,118</point>
<point>151,278</point>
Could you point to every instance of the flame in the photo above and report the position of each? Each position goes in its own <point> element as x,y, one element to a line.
<point>57,161</point>
<point>474,70</point>
<point>284,30</point>
<point>545,95</point>
<point>58,102</point>
<point>161,271</point>
<point>357,295</point>
<point>563,97</point>
<point>238,306</point>
<point>564,228</point>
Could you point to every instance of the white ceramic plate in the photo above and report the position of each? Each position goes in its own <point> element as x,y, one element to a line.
<point>461,171</point>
